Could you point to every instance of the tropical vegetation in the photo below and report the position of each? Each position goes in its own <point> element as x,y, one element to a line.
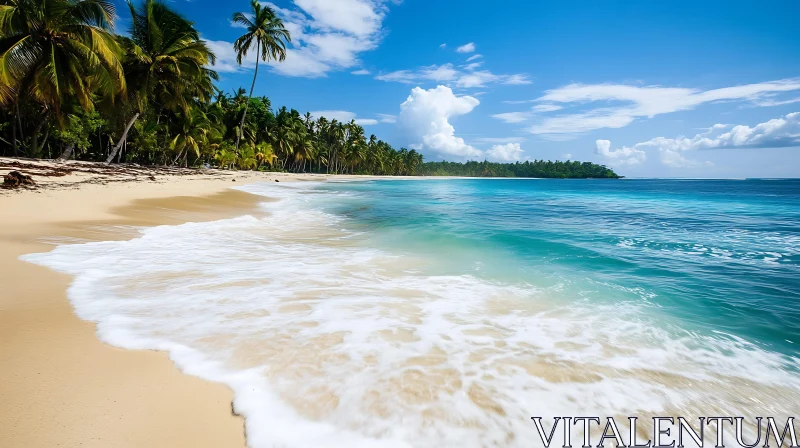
<point>71,87</point>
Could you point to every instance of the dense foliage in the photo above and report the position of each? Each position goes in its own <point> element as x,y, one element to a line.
<point>72,88</point>
<point>536,168</point>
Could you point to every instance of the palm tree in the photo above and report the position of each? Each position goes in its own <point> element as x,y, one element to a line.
<point>270,36</point>
<point>193,132</point>
<point>57,52</point>
<point>165,63</point>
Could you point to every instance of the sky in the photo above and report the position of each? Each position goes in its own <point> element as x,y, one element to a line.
<point>652,89</point>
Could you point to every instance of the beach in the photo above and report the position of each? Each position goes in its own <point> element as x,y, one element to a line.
<point>61,385</point>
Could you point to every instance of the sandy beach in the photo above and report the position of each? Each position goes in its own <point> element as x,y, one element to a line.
<point>61,385</point>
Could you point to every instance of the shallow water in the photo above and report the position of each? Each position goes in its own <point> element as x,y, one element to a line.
<point>422,313</point>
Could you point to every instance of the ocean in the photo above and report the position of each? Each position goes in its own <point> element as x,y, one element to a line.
<point>448,312</point>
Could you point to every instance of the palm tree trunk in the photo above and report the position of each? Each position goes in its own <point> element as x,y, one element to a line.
<point>177,158</point>
<point>247,104</point>
<point>19,123</point>
<point>122,139</point>
<point>14,133</point>
<point>67,152</point>
<point>44,140</point>
<point>35,139</point>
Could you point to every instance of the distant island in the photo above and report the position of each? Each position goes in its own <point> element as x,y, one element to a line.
<point>536,168</point>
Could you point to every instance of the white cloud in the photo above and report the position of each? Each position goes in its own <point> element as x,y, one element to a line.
<point>443,46</point>
<point>775,133</point>
<point>360,72</point>
<point>517,80</point>
<point>342,116</point>
<point>386,118</point>
<point>473,57</point>
<point>510,152</point>
<point>620,156</point>
<point>567,156</point>
<point>519,117</point>
<point>404,76</point>
<point>448,73</point>
<point>512,117</point>
<point>547,107</point>
<point>500,139</point>
<point>466,48</point>
<point>476,79</point>
<point>226,57</point>
<point>771,102</point>
<point>326,36</point>
<point>360,18</point>
<point>583,122</point>
<point>444,72</point>
<point>425,117</point>
<point>647,101</point>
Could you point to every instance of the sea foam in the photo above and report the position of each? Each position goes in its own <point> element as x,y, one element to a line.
<point>327,341</point>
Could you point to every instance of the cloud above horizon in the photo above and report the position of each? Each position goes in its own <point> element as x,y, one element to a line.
<point>464,76</point>
<point>620,104</point>
<point>466,48</point>
<point>342,116</point>
<point>776,133</point>
<point>425,116</point>
<point>510,152</point>
<point>326,36</point>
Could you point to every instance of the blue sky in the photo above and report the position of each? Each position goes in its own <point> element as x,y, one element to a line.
<point>670,88</point>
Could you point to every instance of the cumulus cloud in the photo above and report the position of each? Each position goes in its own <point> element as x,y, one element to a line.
<point>510,152</point>
<point>326,36</point>
<point>466,76</point>
<point>620,156</point>
<point>342,116</point>
<point>776,133</point>
<point>466,48</point>
<point>425,117</point>
<point>644,101</point>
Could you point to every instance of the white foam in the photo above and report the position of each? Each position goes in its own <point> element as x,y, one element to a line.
<point>326,342</point>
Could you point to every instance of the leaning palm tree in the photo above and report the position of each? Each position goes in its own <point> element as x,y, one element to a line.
<point>266,30</point>
<point>57,52</point>
<point>165,63</point>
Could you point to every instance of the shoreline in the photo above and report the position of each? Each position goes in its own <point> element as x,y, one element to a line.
<point>63,385</point>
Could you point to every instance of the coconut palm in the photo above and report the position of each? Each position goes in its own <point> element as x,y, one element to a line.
<point>56,52</point>
<point>165,63</point>
<point>193,132</point>
<point>266,30</point>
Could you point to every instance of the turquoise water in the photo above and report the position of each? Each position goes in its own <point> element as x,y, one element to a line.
<point>716,255</point>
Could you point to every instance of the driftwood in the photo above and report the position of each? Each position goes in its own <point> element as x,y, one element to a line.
<point>15,179</point>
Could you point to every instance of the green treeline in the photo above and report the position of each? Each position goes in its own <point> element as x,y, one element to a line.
<point>536,168</point>
<point>70,87</point>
